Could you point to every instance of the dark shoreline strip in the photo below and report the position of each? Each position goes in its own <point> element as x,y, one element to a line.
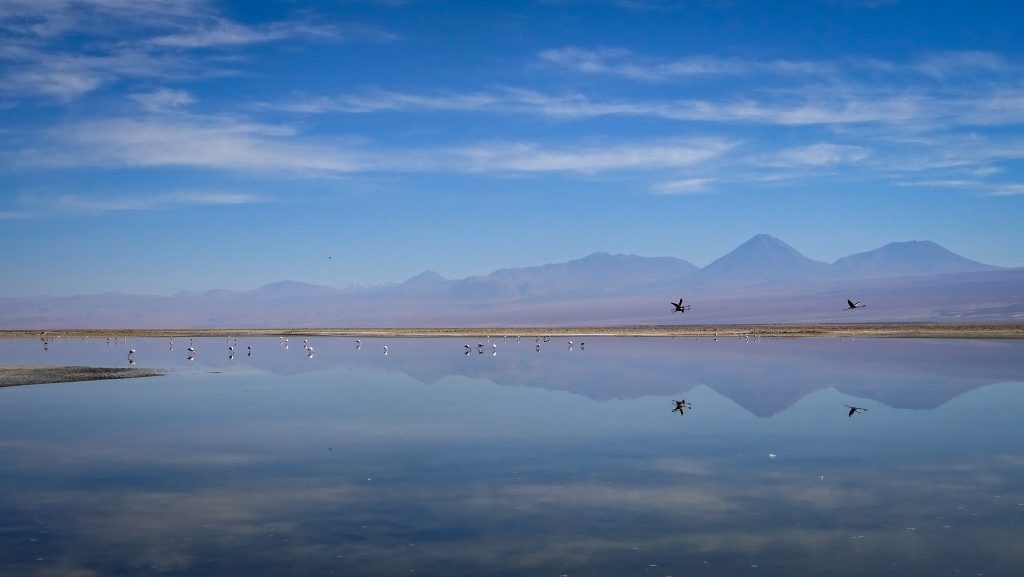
<point>18,375</point>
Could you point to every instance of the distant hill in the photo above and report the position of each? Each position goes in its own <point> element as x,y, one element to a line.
<point>917,257</point>
<point>425,278</point>
<point>291,289</point>
<point>595,275</point>
<point>763,259</point>
<point>764,280</point>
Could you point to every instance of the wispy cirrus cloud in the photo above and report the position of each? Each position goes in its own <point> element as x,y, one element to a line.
<point>518,157</point>
<point>683,186</point>
<point>620,62</point>
<point>225,33</point>
<point>191,141</point>
<point>385,100</point>
<point>1008,189</point>
<point>954,63</point>
<point>228,144</point>
<point>68,76</point>
<point>792,108</point>
<point>816,155</point>
<point>627,64</point>
<point>171,137</point>
<point>163,99</point>
<point>806,110</point>
<point>133,40</point>
<point>44,20</point>
<point>973,185</point>
<point>157,201</point>
<point>941,183</point>
<point>47,204</point>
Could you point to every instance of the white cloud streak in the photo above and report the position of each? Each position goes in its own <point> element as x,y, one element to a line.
<point>942,65</point>
<point>226,144</point>
<point>131,40</point>
<point>816,155</point>
<point>848,112</point>
<point>591,160</point>
<point>626,64</point>
<point>139,202</point>
<point>227,33</point>
<point>683,186</point>
<point>381,100</point>
<point>618,62</point>
<point>36,205</point>
<point>1011,189</point>
<point>163,99</point>
<point>201,142</point>
<point>804,107</point>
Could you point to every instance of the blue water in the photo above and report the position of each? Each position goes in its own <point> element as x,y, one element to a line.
<point>429,461</point>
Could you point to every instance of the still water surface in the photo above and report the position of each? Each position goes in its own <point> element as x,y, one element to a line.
<point>428,461</point>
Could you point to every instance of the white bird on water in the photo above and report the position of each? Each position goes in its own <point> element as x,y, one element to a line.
<point>386,350</point>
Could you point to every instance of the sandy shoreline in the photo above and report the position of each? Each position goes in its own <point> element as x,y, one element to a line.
<point>16,375</point>
<point>895,330</point>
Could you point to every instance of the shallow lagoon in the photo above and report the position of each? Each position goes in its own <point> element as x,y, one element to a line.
<point>429,461</point>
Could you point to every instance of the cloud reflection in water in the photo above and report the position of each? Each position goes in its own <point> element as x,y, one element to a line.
<point>510,465</point>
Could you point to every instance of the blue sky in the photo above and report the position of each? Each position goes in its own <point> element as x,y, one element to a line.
<point>154,147</point>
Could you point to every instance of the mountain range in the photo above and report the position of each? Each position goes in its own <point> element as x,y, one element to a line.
<point>764,280</point>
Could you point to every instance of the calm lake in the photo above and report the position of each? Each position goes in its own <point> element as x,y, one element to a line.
<point>431,461</point>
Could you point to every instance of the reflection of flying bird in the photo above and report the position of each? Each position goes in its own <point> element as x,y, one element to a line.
<point>681,406</point>
<point>854,409</point>
<point>680,307</point>
<point>854,305</point>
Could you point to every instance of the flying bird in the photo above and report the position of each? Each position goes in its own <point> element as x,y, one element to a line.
<point>680,307</point>
<point>854,409</point>
<point>853,305</point>
<point>681,406</point>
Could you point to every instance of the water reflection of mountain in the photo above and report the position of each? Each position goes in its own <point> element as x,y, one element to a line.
<point>765,376</point>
